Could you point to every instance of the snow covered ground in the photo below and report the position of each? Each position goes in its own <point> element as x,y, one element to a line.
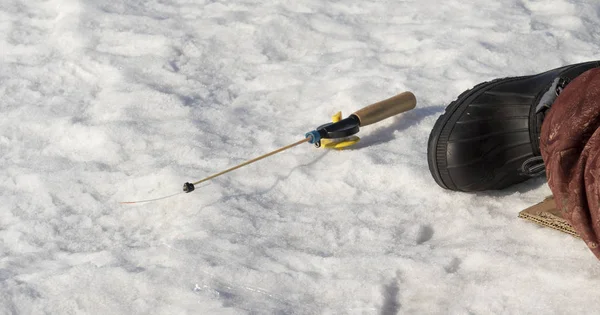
<point>103,101</point>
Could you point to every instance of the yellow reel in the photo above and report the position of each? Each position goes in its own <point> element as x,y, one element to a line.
<point>339,143</point>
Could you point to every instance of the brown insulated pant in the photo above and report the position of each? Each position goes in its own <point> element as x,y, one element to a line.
<point>570,146</point>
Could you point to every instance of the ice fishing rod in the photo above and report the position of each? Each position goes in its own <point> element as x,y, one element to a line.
<point>338,134</point>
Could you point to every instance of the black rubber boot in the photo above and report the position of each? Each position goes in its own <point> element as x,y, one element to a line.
<point>488,138</point>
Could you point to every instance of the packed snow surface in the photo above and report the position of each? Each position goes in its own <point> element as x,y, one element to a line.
<point>103,101</point>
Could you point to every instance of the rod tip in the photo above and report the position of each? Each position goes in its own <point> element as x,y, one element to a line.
<point>188,187</point>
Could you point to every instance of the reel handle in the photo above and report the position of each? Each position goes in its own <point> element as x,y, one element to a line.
<point>387,108</point>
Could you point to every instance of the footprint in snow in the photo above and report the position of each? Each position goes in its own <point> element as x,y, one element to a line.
<point>425,234</point>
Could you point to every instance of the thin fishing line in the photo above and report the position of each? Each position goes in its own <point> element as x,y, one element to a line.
<point>150,200</point>
<point>156,199</point>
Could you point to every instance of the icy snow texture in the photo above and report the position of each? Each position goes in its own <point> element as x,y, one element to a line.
<point>103,101</point>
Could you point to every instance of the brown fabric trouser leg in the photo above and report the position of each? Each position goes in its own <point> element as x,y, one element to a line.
<point>570,146</point>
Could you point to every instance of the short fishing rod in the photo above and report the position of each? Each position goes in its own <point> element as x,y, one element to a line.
<point>338,134</point>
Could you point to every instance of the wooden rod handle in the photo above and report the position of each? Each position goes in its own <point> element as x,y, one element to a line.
<point>387,108</point>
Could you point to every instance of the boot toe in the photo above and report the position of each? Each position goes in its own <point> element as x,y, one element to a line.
<point>481,141</point>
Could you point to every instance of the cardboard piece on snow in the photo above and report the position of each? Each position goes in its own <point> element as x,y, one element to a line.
<point>546,214</point>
